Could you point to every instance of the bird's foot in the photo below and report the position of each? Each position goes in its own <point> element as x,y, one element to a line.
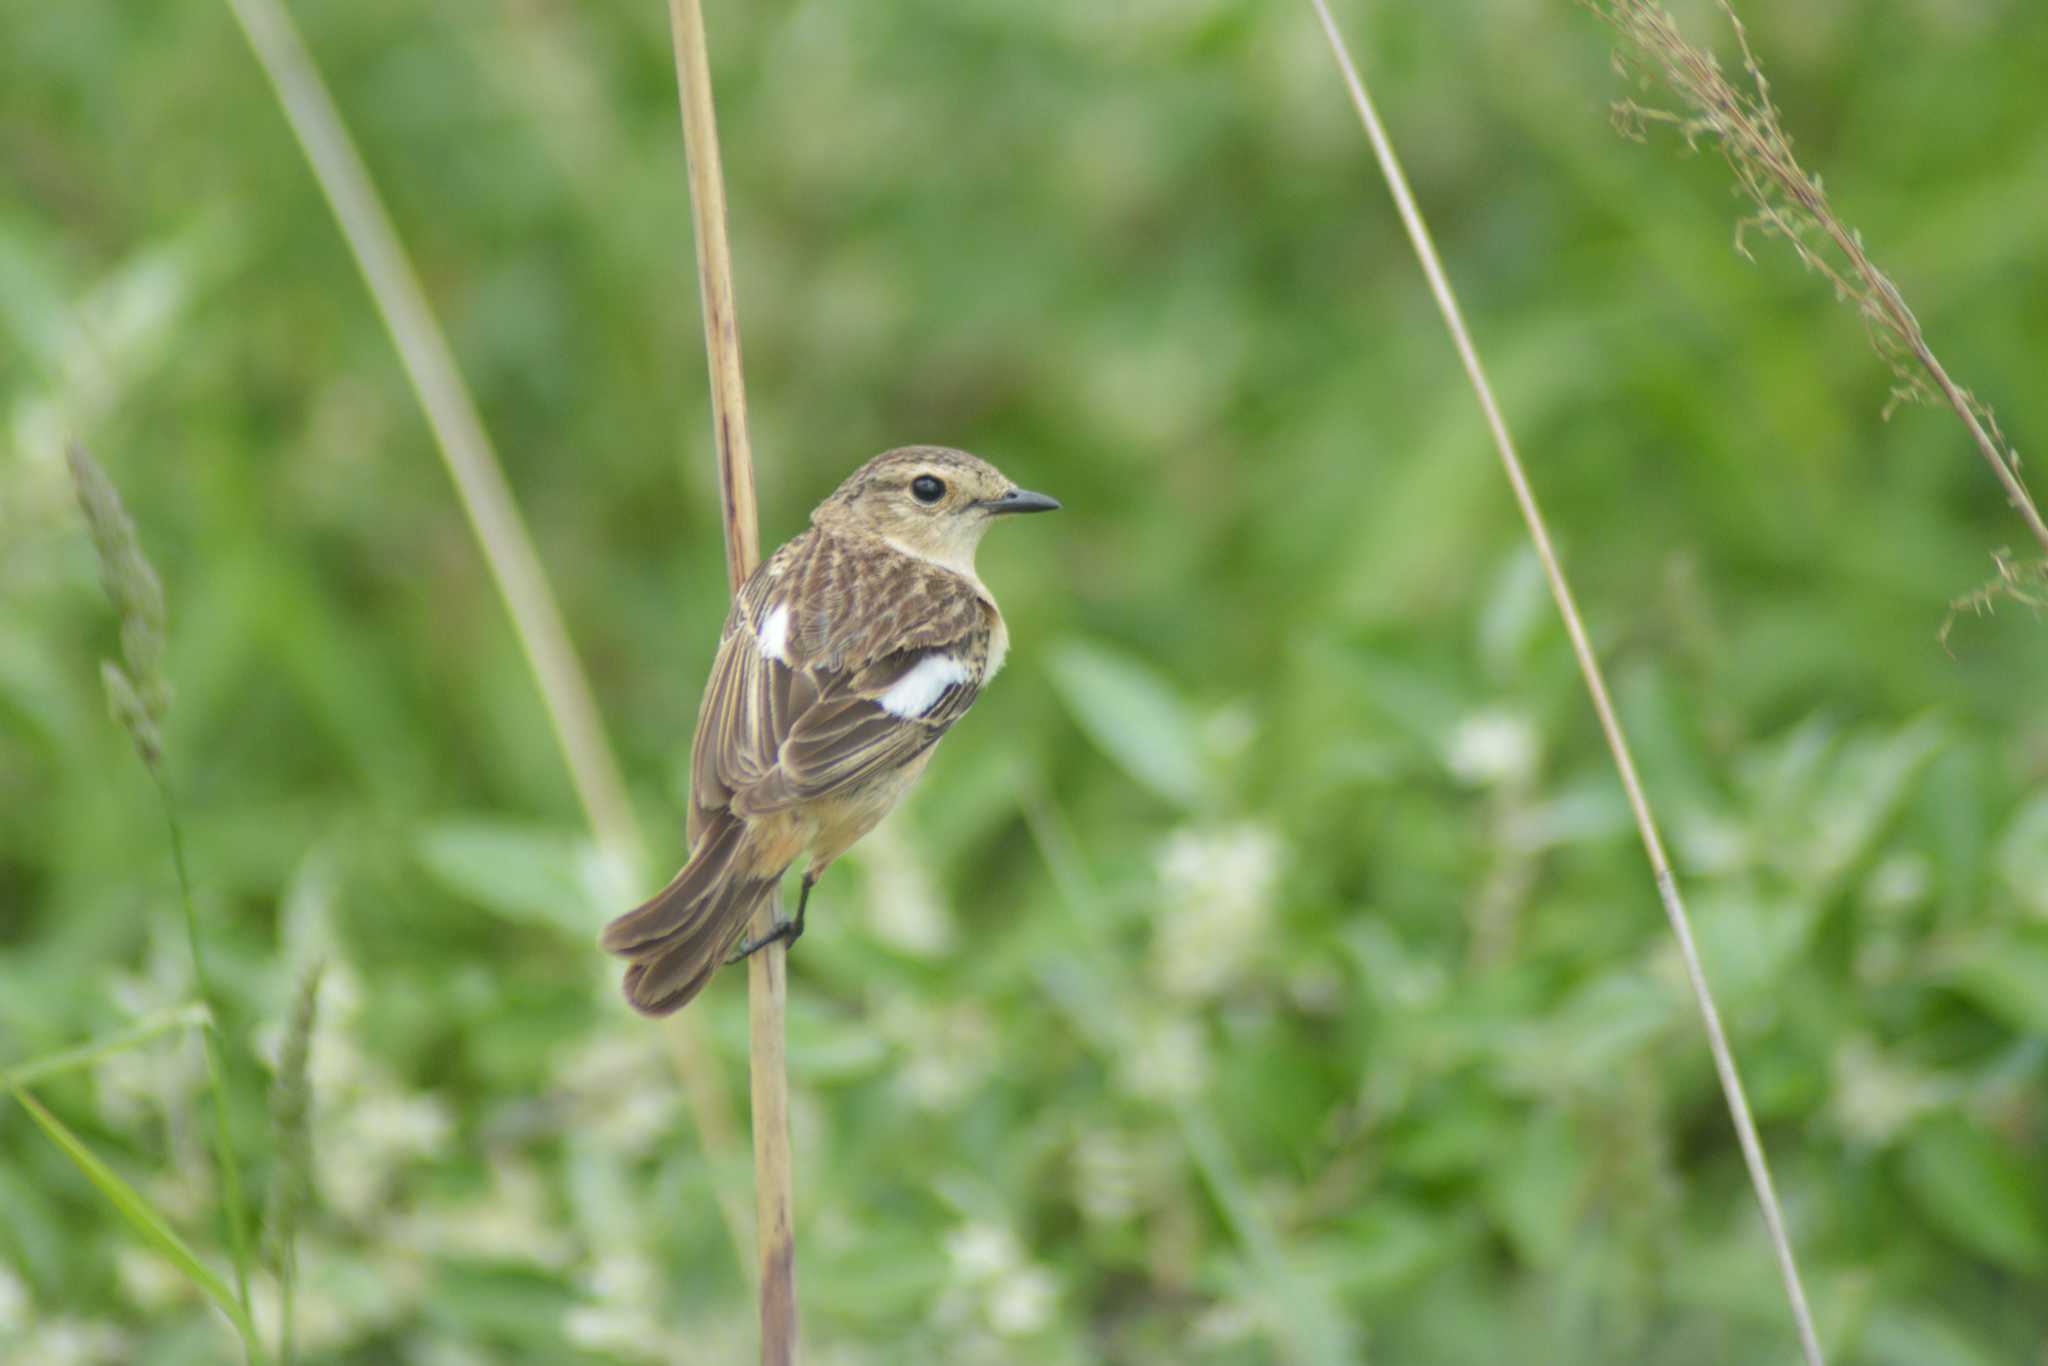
<point>785,932</point>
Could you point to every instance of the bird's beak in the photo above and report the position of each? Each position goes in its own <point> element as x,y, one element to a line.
<point>1020,500</point>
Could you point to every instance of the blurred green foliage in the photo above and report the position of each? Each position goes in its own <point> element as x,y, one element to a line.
<point>1266,970</point>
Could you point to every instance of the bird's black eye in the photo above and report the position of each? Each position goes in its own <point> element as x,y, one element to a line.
<point>927,489</point>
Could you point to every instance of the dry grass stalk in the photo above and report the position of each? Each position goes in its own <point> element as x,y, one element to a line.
<point>1596,688</point>
<point>767,969</point>
<point>486,497</point>
<point>1790,204</point>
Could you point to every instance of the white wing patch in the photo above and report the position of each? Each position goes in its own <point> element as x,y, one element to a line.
<point>914,693</point>
<point>774,635</point>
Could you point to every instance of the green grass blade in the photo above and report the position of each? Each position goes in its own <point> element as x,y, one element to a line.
<point>291,1182</point>
<point>233,1207</point>
<point>86,1054</point>
<point>140,1214</point>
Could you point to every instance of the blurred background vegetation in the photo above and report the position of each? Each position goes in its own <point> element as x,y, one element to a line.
<point>1266,970</point>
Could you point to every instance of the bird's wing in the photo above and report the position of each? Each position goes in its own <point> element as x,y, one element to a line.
<point>838,665</point>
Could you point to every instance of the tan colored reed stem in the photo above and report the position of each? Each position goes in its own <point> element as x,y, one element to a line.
<point>767,969</point>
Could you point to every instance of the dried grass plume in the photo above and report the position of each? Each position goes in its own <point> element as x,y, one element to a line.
<point>1743,124</point>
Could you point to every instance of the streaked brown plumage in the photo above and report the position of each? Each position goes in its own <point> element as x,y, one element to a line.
<point>846,657</point>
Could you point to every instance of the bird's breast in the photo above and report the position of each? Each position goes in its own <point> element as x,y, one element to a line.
<point>998,643</point>
<point>839,821</point>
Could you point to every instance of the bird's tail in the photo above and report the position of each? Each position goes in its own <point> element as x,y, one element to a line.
<point>681,935</point>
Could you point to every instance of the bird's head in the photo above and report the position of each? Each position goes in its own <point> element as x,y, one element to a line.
<point>930,501</point>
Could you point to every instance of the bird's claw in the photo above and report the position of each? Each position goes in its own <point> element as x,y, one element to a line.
<point>785,932</point>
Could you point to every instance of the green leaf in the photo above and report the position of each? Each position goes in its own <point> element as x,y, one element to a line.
<point>1861,792</point>
<point>504,1301</point>
<point>1585,1041</point>
<point>889,1277</point>
<point>1300,1314</point>
<point>1749,943</point>
<point>2023,856</point>
<point>140,1214</point>
<point>2005,974</point>
<point>1533,1192</point>
<point>1514,614</point>
<point>823,1050</point>
<point>1387,1248</point>
<point>536,875</point>
<point>1910,1337</point>
<point>1974,1189</point>
<point>1135,717</point>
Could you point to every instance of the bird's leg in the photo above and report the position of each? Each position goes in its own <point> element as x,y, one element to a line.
<point>803,899</point>
<point>787,931</point>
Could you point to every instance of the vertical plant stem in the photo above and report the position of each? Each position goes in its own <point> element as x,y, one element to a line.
<point>767,970</point>
<point>479,479</point>
<point>1596,689</point>
<point>233,1205</point>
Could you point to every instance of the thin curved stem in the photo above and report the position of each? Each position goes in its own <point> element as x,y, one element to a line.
<point>1596,688</point>
<point>233,1205</point>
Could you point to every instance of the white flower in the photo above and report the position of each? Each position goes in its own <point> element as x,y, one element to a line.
<point>622,1318</point>
<point>980,1252</point>
<point>1217,890</point>
<point>1014,1297</point>
<point>1875,1098</point>
<point>1225,1324</point>
<point>437,1351</point>
<point>77,1342</point>
<point>1900,882</point>
<point>1714,844</point>
<point>1228,731</point>
<point>1492,748</point>
<point>1021,1301</point>
<point>342,1298</point>
<point>1168,1058</point>
<point>630,1333</point>
<point>513,1223</point>
<point>625,1277</point>
<point>13,1297</point>
<point>150,1282</point>
<point>366,1145</point>
<point>1106,1172</point>
<point>946,1052</point>
<point>621,1089</point>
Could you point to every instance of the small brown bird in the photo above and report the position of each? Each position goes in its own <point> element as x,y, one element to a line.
<point>848,653</point>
